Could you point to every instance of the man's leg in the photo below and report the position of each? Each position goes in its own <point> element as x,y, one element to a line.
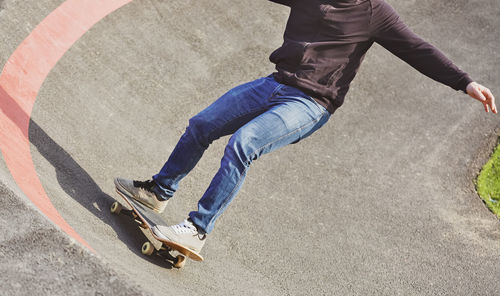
<point>292,116</point>
<point>223,117</point>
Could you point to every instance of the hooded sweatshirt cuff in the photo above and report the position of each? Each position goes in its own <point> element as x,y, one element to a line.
<point>462,84</point>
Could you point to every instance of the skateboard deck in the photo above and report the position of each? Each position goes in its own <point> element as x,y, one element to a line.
<point>147,219</point>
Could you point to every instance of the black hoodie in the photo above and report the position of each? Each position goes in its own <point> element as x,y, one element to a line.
<point>326,41</point>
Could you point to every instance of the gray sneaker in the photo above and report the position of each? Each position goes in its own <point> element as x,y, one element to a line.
<point>184,233</point>
<point>143,192</point>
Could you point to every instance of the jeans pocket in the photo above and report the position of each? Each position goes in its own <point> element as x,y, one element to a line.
<point>286,91</point>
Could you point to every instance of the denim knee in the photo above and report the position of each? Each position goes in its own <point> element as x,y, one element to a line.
<point>199,129</point>
<point>239,149</point>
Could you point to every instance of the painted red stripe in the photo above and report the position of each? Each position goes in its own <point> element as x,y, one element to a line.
<point>20,81</point>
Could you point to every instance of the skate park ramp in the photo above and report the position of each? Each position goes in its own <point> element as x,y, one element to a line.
<point>380,201</point>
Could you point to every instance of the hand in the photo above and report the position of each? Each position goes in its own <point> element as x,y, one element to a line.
<point>483,95</point>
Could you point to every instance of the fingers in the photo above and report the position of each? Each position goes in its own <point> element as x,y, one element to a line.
<point>483,100</point>
<point>478,95</point>
<point>491,100</point>
<point>484,95</point>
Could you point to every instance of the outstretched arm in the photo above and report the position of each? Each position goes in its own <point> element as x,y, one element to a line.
<point>483,95</point>
<point>395,36</point>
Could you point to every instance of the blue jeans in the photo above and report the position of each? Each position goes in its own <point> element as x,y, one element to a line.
<point>263,115</point>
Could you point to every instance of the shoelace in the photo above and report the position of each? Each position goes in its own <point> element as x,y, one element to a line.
<point>144,185</point>
<point>185,227</point>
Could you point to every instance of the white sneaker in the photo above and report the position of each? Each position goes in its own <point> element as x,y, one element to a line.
<point>184,233</point>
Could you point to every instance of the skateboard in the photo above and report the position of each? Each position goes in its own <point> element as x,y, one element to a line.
<point>147,219</point>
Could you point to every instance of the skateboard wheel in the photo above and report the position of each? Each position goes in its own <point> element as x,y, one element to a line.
<point>116,208</point>
<point>147,249</point>
<point>179,261</point>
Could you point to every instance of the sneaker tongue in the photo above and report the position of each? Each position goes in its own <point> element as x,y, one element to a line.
<point>189,225</point>
<point>144,184</point>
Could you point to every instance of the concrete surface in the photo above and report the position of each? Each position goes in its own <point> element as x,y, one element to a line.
<point>37,259</point>
<point>380,201</point>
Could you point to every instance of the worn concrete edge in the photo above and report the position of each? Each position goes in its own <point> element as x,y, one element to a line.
<point>480,159</point>
<point>482,156</point>
<point>38,257</point>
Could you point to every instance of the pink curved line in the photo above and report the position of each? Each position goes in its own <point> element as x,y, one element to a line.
<point>20,81</point>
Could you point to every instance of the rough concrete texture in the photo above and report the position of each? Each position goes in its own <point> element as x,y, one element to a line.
<point>380,201</point>
<point>38,259</point>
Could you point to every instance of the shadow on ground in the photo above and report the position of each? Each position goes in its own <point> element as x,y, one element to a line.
<point>77,183</point>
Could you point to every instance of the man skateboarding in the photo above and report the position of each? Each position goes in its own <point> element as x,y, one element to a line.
<point>324,45</point>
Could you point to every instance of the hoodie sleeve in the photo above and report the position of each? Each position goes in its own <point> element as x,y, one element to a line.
<point>284,2</point>
<point>396,37</point>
